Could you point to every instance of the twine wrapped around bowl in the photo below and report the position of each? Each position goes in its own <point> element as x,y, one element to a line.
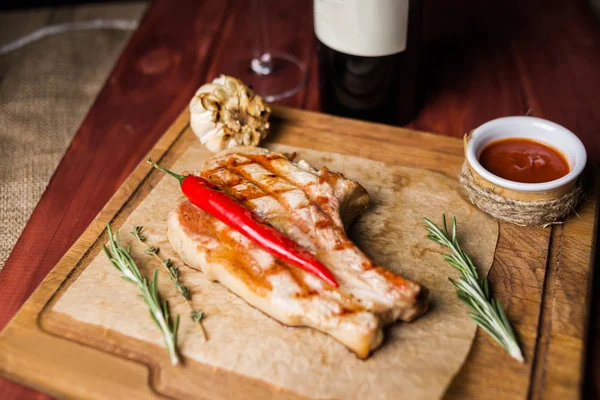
<point>522,203</point>
<point>520,212</point>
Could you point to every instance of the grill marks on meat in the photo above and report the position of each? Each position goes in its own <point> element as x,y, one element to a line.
<point>312,208</point>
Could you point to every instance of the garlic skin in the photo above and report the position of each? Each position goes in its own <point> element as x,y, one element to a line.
<point>226,113</point>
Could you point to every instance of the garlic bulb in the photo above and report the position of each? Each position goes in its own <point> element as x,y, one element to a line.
<point>226,113</point>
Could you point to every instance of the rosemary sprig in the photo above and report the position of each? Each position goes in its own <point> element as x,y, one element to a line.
<point>173,272</point>
<point>486,311</point>
<point>197,315</point>
<point>121,259</point>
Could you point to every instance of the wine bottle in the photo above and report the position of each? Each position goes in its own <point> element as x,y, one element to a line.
<point>367,53</point>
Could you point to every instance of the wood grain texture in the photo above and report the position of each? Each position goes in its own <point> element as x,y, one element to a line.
<point>533,270</point>
<point>481,60</point>
<point>569,296</point>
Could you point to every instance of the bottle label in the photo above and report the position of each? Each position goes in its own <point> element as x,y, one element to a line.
<point>367,28</point>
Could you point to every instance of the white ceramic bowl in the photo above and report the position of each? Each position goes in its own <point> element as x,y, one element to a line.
<point>538,129</point>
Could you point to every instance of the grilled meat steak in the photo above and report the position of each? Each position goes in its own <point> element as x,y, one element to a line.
<point>313,208</point>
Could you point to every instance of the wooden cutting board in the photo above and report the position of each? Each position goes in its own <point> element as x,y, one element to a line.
<point>543,276</point>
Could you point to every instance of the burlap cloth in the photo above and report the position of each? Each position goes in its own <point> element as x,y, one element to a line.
<point>46,89</point>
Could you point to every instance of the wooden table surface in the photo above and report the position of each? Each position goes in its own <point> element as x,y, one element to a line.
<point>480,60</point>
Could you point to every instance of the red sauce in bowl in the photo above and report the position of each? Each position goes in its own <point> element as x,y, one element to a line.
<point>523,160</point>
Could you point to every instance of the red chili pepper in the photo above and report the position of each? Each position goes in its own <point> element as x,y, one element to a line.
<point>209,198</point>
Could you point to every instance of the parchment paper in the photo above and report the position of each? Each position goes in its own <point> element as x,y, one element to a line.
<point>417,360</point>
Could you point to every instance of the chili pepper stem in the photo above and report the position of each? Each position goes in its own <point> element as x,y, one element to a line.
<point>180,178</point>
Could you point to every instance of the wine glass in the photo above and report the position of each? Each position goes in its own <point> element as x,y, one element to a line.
<point>273,75</point>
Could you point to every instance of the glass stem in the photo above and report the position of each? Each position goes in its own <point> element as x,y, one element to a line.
<point>262,63</point>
